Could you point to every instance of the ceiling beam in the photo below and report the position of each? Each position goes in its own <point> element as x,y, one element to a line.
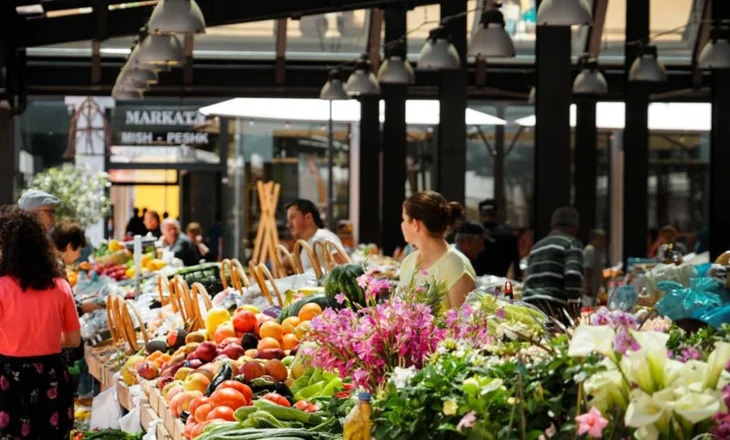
<point>41,31</point>
<point>375,32</point>
<point>222,78</point>
<point>703,36</point>
<point>595,32</point>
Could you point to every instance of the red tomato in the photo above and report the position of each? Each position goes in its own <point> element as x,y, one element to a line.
<point>277,399</point>
<point>228,397</point>
<point>195,403</point>
<point>303,405</point>
<point>223,413</point>
<point>238,386</point>
<point>202,411</point>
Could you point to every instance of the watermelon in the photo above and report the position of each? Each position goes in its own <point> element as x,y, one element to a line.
<point>322,300</point>
<point>343,279</point>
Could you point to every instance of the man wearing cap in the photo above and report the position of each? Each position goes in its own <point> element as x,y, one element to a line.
<point>503,253</point>
<point>42,204</point>
<point>554,280</point>
<point>470,240</point>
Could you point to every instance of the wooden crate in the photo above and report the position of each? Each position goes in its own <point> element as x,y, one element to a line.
<point>163,433</point>
<point>124,396</point>
<point>146,416</point>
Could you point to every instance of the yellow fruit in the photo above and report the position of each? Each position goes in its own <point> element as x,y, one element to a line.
<point>115,246</point>
<point>309,311</point>
<point>253,309</point>
<point>146,258</point>
<point>290,324</point>
<point>216,317</point>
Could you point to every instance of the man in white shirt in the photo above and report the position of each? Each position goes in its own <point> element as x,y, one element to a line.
<point>305,223</point>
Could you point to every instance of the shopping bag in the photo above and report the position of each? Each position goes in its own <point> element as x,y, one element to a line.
<point>105,409</point>
<point>131,422</point>
<point>681,302</point>
<point>151,431</point>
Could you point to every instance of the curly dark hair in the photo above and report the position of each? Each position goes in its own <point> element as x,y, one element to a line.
<point>68,233</point>
<point>27,253</point>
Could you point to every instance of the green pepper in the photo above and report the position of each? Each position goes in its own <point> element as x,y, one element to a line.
<point>310,391</point>
<point>331,388</point>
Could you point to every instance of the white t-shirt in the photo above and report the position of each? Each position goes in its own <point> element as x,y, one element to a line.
<point>321,235</point>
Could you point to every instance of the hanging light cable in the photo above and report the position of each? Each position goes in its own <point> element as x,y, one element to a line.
<point>590,80</point>
<point>438,53</point>
<point>492,40</point>
<point>362,81</point>
<point>177,17</point>
<point>396,69</point>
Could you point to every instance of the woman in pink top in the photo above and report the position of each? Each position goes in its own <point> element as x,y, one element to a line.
<point>37,318</point>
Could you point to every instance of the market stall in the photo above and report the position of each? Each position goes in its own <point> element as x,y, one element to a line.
<point>343,353</point>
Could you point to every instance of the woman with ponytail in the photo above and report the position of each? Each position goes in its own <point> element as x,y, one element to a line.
<point>427,216</point>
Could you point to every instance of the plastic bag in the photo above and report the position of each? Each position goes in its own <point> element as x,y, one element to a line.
<point>151,431</point>
<point>713,316</point>
<point>132,422</point>
<point>623,298</point>
<point>681,302</point>
<point>105,409</point>
<point>668,272</point>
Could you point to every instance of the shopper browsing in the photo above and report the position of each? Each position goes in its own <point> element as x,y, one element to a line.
<point>305,223</point>
<point>554,280</point>
<point>179,244</point>
<point>70,239</point>
<point>194,232</point>
<point>426,218</point>
<point>37,318</point>
<point>42,204</point>
<point>504,254</point>
<point>470,239</point>
<point>152,223</point>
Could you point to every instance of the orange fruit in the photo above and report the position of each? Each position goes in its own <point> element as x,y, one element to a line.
<point>290,324</point>
<point>289,342</point>
<point>309,311</point>
<point>268,342</point>
<point>260,319</point>
<point>271,329</point>
<point>222,332</point>
<point>302,329</point>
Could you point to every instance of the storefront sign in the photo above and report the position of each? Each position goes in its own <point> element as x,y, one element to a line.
<point>159,125</point>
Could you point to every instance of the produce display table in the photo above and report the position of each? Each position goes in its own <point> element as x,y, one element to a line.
<point>172,426</point>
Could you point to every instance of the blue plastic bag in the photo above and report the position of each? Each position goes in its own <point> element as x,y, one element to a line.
<point>681,302</point>
<point>713,316</point>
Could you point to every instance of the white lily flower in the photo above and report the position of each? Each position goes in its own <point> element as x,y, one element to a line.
<point>650,340</point>
<point>696,407</point>
<point>608,390</point>
<point>638,368</point>
<point>643,410</point>
<point>647,433</point>
<point>716,364</point>
<point>678,374</point>
<point>591,339</point>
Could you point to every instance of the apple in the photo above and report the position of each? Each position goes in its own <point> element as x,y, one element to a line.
<point>196,382</point>
<point>221,357</point>
<point>148,370</point>
<point>252,370</point>
<point>271,353</point>
<point>233,350</point>
<point>206,351</point>
<point>194,364</point>
<point>174,391</point>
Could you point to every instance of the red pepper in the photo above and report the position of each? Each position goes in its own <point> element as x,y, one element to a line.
<point>277,399</point>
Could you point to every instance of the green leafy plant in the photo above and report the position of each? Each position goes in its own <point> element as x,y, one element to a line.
<point>82,193</point>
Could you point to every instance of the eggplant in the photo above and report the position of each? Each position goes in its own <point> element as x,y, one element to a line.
<point>225,374</point>
<point>261,385</point>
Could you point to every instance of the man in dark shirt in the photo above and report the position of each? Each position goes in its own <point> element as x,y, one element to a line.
<point>470,239</point>
<point>503,253</point>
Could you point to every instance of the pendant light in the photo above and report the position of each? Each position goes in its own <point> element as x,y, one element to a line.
<point>438,53</point>
<point>492,40</point>
<point>177,17</point>
<point>564,13</point>
<point>362,81</point>
<point>646,67</point>
<point>140,73</point>
<point>158,50</point>
<point>396,69</point>
<point>333,89</point>
<point>590,80</point>
<point>131,83</point>
<point>716,53</point>
<point>125,94</point>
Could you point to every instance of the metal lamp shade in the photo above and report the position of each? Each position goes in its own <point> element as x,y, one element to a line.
<point>177,17</point>
<point>333,89</point>
<point>396,70</point>
<point>716,53</point>
<point>590,82</point>
<point>140,74</point>
<point>492,40</point>
<point>126,94</point>
<point>438,53</point>
<point>646,67</point>
<point>130,83</point>
<point>564,13</point>
<point>156,50</point>
<point>362,82</point>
